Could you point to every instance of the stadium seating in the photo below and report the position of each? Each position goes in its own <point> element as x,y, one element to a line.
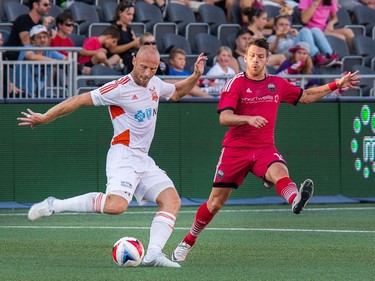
<point>14,9</point>
<point>181,15</point>
<point>148,14</point>
<point>365,47</point>
<point>84,14</point>
<point>207,44</point>
<point>366,84</point>
<point>344,20</point>
<point>162,28</point>
<point>171,40</point>
<point>108,10</point>
<point>225,30</point>
<point>342,50</point>
<point>213,15</point>
<point>365,16</point>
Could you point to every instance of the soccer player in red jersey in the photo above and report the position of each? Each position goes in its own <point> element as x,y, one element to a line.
<point>248,105</point>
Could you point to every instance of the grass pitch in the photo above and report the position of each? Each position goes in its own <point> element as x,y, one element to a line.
<point>325,242</point>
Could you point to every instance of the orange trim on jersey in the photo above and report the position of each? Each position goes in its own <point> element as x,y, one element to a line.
<point>116,111</point>
<point>110,86</point>
<point>123,138</point>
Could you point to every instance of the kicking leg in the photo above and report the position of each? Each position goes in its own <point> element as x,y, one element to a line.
<point>93,202</point>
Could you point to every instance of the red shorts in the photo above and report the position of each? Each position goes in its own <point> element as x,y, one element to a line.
<point>235,163</point>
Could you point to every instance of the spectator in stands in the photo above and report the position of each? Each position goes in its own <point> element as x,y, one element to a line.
<point>65,25</point>
<point>243,37</point>
<point>323,15</point>
<point>221,68</point>
<point>128,42</point>
<point>258,19</point>
<point>177,63</point>
<point>94,49</point>
<point>161,4</point>
<point>8,87</point>
<point>299,63</point>
<point>148,39</point>
<point>285,37</point>
<point>29,78</point>
<point>19,35</point>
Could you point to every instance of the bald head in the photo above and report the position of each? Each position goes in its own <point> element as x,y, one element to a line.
<point>146,64</point>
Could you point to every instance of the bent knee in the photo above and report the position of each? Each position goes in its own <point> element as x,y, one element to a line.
<point>115,205</point>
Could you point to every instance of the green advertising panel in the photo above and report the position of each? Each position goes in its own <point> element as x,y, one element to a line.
<point>358,149</point>
<point>331,143</point>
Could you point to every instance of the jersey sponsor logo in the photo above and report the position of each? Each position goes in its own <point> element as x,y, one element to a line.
<point>267,98</point>
<point>147,113</point>
<point>154,95</point>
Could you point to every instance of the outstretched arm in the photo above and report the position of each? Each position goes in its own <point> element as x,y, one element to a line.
<point>34,118</point>
<point>316,93</point>
<point>185,86</point>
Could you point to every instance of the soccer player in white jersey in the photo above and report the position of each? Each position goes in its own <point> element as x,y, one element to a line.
<point>133,105</point>
<point>248,105</point>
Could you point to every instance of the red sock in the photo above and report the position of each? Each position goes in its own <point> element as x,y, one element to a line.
<point>202,219</point>
<point>286,189</point>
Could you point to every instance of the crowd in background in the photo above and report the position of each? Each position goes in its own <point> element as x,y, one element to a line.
<point>294,50</point>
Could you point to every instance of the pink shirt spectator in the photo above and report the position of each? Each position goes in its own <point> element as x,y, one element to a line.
<point>321,15</point>
<point>91,43</point>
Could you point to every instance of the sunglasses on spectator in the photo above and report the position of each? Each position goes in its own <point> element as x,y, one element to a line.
<point>126,5</point>
<point>69,24</point>
<point>149,43</point>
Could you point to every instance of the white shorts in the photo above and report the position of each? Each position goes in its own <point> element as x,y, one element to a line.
<point>131,172</point>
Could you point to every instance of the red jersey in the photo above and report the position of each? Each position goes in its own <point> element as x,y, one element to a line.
<point>62,42</point>
<point>92,44</point>
<point>255,98</point>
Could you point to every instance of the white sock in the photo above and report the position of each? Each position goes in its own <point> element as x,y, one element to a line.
<point>86,203</point>
<point>161,229</point>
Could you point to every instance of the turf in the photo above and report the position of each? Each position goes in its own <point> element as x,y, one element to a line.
<point>325,242</point>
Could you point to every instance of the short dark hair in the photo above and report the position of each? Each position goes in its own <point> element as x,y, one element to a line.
<point>112,31</point>
<point>31,3</point>
<point>243,31</point>
<point>64,17</point>
<point>261,43</point>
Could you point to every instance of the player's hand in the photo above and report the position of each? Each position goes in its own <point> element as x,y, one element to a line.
<point>257,121</point>
<point>31,119</point>
<point>348,80</point>
<point>199,64</point>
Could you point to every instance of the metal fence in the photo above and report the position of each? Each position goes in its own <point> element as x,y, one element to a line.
<point>58,79</point>
<point>38,79</point>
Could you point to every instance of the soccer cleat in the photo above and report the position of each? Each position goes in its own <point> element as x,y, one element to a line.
<point>305,193</point>
<point>41,209</point>
<point>160,261</point>
<point>181,251</point>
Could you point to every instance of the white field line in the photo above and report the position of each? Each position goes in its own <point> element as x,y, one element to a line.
<point>209,228</point>
<point>186,228</point>
<point>131,212</point>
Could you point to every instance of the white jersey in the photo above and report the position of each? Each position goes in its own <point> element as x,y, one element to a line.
<point>133,109</point>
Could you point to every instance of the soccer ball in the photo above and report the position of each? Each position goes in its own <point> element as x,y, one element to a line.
<point>128,252</point>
